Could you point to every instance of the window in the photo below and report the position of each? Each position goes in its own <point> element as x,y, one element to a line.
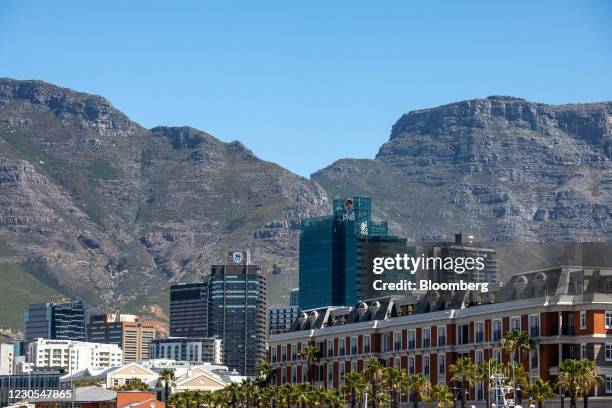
<point>366,344</point>
<point>293,374</point>
<point>463,334</point>
<point>294,352</point>
<point>583,351</point>
<point>383,341</point>
<point>479,356</point>
<point>496,330</point>
<point>273,353</point>
<point>608,320</point>
<point>441,332</point>
<point>441,365</point>
<point>426,337</point>
<point>608,384</point>
<point>304,374</point>
<point>497,355</point>
<point>608,351</point>
<point>479,391</point>
<point>284,353</point>
<point>341,348</point>
<point>534,325</point>
<point>283,376</point>
<point>330,375</point>
<point>353,345</point>
<point>411,339</point>
<point>330,348</point>
<point>533,360</point>
<point>353,366</point>
<point>411,365</point>
<point>426,366</point>
<point>341,372</point>
<point>515,323</point>
<point>479,328</point>
<point>397,340</point>
<point>397,362</point>
<point>583,320</point>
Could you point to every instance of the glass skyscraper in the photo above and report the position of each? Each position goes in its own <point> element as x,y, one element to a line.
<point>189,309</point>
<point>58,321</point>
<point>237,311</point>
<point>336,253</point>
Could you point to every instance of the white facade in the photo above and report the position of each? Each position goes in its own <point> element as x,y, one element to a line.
<point>6,359</point>
<point>73,355</point>
<point>193,350</point>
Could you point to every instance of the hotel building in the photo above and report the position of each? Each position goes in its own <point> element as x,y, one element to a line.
<point>567,311</point>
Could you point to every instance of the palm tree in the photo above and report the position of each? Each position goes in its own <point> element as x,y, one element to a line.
<point>484,371</point>
<point>464,371</point>
<point>248,389</point>
<point>265,370</point>
<point>334,399</point>
<point>375,373</point>
<point>516,342</point>
<point>539,390</point>
<point>310,354</point>
<point>356,385</point>
<point>318,397</point>
<point>233,393</point>
<point>589,379</point>
<point>415,383</point>
<point>569,379</point>
<point>167,377</point>
<point>394,380</point>
<point>442,396</point>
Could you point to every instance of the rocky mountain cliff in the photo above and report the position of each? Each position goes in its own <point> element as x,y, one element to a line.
<point>93,204</point>
<point>503,168</point>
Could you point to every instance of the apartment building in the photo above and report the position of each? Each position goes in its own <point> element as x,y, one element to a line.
<point>567,311</point>
<point>131,334</point>
<point>72,355</point>
<point>196,350</point>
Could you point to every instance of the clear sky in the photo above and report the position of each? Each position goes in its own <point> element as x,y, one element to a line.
<point>306,83</point>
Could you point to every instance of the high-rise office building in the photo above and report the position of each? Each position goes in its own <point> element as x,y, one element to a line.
<point>61,321</point>
<point>464,246</point>
<point>189,309</point>
<point>336,254</point>
<point>237,311</point>
<point>126,331</point>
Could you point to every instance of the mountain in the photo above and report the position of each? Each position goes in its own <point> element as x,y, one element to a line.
<point>503,168</point>
<point>95,205</point>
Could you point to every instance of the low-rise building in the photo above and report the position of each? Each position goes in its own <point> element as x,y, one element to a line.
<point>567,311</point>
<point>192,349</point>
<point>72,355</point>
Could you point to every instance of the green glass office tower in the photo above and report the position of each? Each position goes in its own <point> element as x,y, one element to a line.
<point>336,253</point>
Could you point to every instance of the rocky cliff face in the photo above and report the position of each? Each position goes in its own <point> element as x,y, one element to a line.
<point>503,168</point>
<point>96,205</point>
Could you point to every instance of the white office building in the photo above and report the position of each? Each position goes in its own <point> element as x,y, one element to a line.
<point>73,355</point>
<point>194,350</point>
<point>6,359</point>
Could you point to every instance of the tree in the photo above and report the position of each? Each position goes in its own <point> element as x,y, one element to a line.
<point>589,379</point>
<point>375,374</point>
<point>416,382</point>
<point>356,385</point>
<point>539,390</point>
<point>265,370</point>
<point>516,342</point>
<point>394,380</point>
<point>134,384</point>
<point>334,399</point>
<point>166,376</point>
<point>248,389</point>
<point>310,354</point>
<point>442,396</point>
<point>464,371</point>
<point>232,391</point>
<point>484,371</point>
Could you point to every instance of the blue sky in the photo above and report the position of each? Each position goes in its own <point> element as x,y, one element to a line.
<point>306,83</point>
